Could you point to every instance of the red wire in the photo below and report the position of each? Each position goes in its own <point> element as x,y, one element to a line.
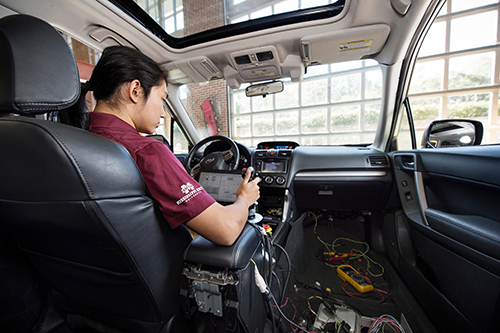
<point>293,305</point>
<point>354,295</point>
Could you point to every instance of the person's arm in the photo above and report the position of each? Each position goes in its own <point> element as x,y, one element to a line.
<point>223,224</point>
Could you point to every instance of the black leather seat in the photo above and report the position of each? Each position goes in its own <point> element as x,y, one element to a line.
<point>75,203</point>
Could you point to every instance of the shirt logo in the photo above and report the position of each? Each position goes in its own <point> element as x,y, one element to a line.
<point>186,188</point>
<point>189,192</point>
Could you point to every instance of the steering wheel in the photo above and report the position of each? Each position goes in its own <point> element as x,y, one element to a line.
<point>218,160</point>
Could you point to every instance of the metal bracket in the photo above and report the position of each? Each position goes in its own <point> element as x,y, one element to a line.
<point>205,288</point>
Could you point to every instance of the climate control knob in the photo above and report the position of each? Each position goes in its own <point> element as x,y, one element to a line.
<point>268,180</point>
<point>280,180</point>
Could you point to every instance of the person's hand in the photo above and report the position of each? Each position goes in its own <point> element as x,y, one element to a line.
<point>249,191</point>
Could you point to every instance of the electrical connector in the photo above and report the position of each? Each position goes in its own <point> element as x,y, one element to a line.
<point>261,283</point>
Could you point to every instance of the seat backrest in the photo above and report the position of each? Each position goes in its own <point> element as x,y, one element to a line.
<point>75,202</point>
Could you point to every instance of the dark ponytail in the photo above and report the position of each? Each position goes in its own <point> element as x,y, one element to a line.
<point>117,66</point>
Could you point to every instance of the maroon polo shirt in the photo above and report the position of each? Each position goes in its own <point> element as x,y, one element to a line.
<point>180,196</point>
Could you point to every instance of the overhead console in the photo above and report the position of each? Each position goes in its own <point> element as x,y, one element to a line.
<point>261,64</point>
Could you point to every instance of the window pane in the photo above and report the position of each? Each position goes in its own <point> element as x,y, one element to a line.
<point>345,118</point>
<point>242,126</point>
<point>342,139</point>
<point>241,103</point>
<point>168,7</point>
<point>287,123</point>
<point>346,88</point>
<point>427,76</point>
<point>180,21</point>
<point>316,70</point>
<point>425,110</point>
<point>263,125</point>
<point>286,6</point>
<point>473,31</point>
<point>260,103</point>
<point>314,121</point>
<point>313,3</point>
<point>458,5</point>
<point>372,113</point>
<point>180,143</point>
<point>345,66</point>
<point>434,42</point>
<point>262,13</point>
<point>314,140</point>
<point>471,71</point>
<point>404,134</point>
<point>314,92</point>
<point>289,97</point>
<point>373,84</point>
<point>169,25</point>
<point>473,106</point>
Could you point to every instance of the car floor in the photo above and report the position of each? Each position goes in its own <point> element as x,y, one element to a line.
<point>313,277</point>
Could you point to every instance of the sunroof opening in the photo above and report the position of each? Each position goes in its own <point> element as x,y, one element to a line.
<point>182,23</point>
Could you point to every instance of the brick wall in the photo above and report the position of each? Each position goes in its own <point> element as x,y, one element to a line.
<point>212,16</point>
<point>217,92</point>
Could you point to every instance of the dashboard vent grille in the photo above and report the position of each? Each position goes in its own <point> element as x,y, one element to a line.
<point>378,161</point>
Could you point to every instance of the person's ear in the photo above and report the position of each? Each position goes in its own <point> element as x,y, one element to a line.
<point>135,91</point>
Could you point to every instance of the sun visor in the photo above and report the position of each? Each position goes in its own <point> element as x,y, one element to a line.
<point>344,45</point>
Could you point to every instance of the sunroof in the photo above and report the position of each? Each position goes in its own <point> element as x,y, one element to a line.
<point>182,23</point>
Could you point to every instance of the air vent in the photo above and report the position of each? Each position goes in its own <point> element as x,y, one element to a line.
<point>378,160</point>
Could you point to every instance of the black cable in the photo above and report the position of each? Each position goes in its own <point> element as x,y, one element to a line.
<point>285,285</point>
<point>278,281</point>
<point>283,315</point>
<point>273,321</point>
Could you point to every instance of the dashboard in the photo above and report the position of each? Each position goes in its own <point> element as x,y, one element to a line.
<point>345,178</point>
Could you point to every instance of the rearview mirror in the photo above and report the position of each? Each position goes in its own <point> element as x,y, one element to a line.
<point>263,89</point>
<point>452,133</point>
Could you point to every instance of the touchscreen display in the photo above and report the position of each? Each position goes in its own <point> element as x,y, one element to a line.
<point>221,186</point>
<point>278,167</point>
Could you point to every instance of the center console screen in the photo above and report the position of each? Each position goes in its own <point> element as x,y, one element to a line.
<point>273,167</point>
<point>221,186</point>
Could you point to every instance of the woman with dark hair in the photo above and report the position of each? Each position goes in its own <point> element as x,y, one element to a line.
<point>129,89</point>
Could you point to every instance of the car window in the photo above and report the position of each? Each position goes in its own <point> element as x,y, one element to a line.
<point>456,74</point>
<point>334,104</point>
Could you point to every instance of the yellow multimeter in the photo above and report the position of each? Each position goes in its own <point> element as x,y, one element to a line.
<point>349,274</point>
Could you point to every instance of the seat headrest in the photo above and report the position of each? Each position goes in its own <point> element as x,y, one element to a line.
<point>38,69</point>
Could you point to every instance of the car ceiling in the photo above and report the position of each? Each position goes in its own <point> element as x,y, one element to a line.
<point>361,19</point>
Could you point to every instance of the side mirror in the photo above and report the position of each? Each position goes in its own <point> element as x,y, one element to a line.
<point>452,133</point>
<point>263,89</point>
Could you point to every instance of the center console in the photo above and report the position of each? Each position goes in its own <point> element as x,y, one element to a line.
<point>272,161</point>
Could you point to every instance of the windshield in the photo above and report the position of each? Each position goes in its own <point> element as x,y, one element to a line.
<point>334,104</point>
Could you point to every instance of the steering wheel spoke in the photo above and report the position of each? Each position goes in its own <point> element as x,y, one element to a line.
<point>222,160</point>
<point>195,171</point>
<point>228,156</point>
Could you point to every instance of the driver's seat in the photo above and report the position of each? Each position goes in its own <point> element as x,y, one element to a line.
<point>74,203</point>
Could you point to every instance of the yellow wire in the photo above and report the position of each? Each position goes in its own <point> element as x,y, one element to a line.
<point>358,253</point>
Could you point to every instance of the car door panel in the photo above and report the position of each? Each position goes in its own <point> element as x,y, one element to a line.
<point>451,201</point>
